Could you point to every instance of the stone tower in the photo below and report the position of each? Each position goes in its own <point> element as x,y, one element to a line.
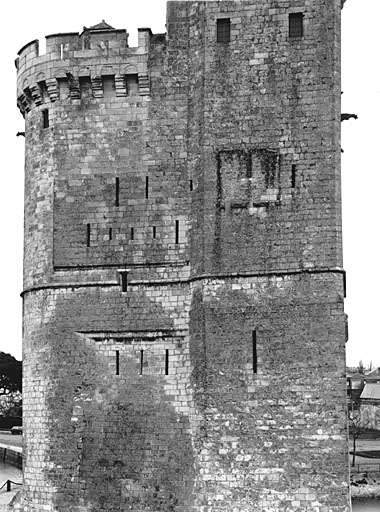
<point>183,293</point>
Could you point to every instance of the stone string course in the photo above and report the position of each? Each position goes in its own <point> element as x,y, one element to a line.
<point>183,228</point>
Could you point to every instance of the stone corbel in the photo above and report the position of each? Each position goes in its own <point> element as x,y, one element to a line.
<point>97,86</point>
<point>120,85</point>
<point>36,94</point>
<point>52,88</point>
<point>144,84</point>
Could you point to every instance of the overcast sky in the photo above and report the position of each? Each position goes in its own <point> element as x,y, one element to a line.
<point>25,20</point>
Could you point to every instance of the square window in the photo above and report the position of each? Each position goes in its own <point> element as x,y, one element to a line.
<point>296,24</point>
<point>223,30</point>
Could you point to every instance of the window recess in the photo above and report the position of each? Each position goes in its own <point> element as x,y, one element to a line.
<point>296,24</point>
<point>223,30</point>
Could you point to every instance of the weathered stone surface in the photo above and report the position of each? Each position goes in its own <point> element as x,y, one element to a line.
<point>183,288</point>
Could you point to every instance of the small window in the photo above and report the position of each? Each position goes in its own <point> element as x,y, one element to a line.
<point>45,118</point>
<point>223,30</point>
<point>296,24</point>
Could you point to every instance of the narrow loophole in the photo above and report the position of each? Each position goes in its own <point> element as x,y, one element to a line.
<point>110,233</point>
<point>254,352</point>
<point>124,281</point>
<point>146,187</point>
<point>45,118</point>
<point>117,362</point>
<point>117,191</point>
<point>132,233</point>
<point>88,235</point>
<point>294,173</point>
<point>141,361</point>
<point>154,232</point>
<point>61,51</point>
<point>167,362</point>
<point>191,185</point>
<point>177,231</point>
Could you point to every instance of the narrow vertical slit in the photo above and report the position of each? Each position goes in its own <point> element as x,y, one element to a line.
<point>88,235</point>
<point>45,118</point>
<point>294,172</point>
<point>61,51</point>
<point>191,185</point>
<point>146,187</point>
<point>117,362</point>
<point>154,231</point>
<point>141,361</point>
<point>254,352</point>
<point>132,233</point>
<point>117,191</point>
<point>177,231</point>
<point>124,281</point>
<point>167,362</point>
<point>110,233</point>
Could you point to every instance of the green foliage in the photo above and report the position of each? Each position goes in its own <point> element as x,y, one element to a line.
<point>11,404</point>
<point>10,374</point>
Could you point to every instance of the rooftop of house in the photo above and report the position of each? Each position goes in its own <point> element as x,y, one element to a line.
<point>371,392</point>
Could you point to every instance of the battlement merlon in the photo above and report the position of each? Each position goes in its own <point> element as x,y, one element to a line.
<point>94,52</point>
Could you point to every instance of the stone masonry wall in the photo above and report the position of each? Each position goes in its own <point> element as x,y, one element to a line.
<point>183,286</point>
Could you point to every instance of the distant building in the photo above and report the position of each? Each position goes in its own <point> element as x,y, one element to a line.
<point>370,405</point>
<point>357,381</point>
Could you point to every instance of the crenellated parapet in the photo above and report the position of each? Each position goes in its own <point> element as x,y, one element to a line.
<point>98,57</point>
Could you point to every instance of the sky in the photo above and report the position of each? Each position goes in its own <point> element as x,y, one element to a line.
<point>26,20</point>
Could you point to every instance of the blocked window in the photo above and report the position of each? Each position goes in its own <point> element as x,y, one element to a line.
<point>247,177</point>
<point>296,24</point>
<point>223,30</point>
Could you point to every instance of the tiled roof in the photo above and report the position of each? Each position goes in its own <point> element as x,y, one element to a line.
<point>101,26</point>
<point>371,392</point>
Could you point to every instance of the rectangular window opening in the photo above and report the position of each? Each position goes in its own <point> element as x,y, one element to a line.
<point>296,24</point>
<point>254,352</point>
<point>294,172</point>
<point>154,231</point>
<point>146,187</point>
<point>223,30</point>
<point>132,233</point>
<point>45,118</point>
<point>88,235</point>
<point>177,231</point>
<point>110,233</point>
<point>117,362</point>
<point>141,361</point>
<point>167,362</point>
<point>117,191</point>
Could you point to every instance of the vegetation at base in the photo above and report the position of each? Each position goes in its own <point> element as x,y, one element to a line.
<point>10,374</point>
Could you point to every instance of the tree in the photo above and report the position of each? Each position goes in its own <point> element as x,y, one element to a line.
<point>355,424</point>
<point>11,404</point>
<point>10,374</point>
